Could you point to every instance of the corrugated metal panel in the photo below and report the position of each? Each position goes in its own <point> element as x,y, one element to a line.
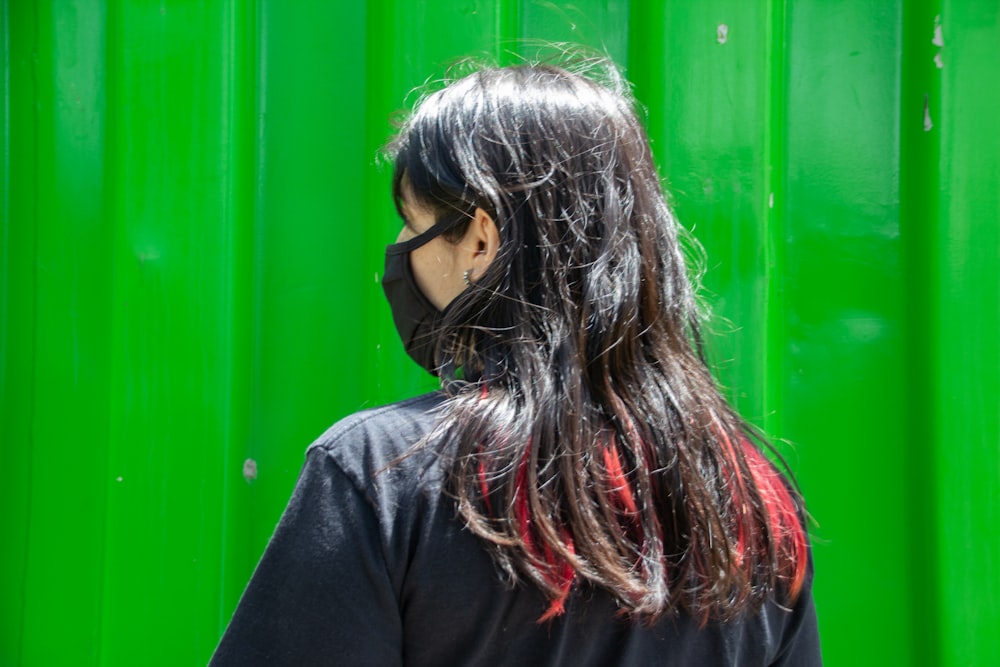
<point>192,235</point>
<point>956,165</point>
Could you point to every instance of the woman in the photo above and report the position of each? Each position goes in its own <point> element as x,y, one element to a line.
<point>579,492</point>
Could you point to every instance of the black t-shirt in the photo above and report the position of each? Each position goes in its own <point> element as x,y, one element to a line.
<point>370,566</point>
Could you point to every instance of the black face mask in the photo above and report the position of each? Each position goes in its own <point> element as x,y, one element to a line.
<point>414,315</point>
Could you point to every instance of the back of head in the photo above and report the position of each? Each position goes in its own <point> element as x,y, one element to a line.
<point>589,256</point>
<point>591,442</point>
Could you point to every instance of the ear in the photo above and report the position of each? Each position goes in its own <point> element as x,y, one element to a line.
<point>481,243</point>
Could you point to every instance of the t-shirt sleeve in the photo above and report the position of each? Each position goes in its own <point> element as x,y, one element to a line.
<point>801,645</point>
<point>321,593</point>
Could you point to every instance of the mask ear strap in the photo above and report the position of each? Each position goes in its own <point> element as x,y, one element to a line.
<point>425,237</point>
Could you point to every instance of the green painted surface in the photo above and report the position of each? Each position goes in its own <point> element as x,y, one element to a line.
<point>193,224</point>
<point>179,327</point>
<point>17,317</point>
<point>844,386</point>
<point>964,244</point>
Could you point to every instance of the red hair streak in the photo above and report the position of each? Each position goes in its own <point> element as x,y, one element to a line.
<point>787,532</point>
<point>558,572</point>
<point>620,490</point>
<point>783,519</point>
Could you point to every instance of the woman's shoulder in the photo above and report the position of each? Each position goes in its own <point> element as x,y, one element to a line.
<point>401,418</point>
<point>381,444</point>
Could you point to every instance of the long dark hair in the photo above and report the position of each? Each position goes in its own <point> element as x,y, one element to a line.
<point>591,441</point>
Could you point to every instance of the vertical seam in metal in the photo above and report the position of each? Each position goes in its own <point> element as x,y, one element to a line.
<point>774,233</point>
<point>227,45</point>
<point>919,220</point>
<point>35,196</point>
<point>239,70</point>
<point>109,165</point>
<point>257,277</point>
<point>508,30</point>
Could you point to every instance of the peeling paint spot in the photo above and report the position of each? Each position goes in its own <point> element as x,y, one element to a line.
<point>938,32</point>
<point>249,470</point>
<point>722,33</point>
<point>938,61</point>
<point>928,124</point>
<point>708,187</point>
<point>770,201</point>
<point>147,255</point>
<point>376,277</point>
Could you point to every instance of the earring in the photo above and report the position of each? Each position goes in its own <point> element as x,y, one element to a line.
<point>468,283</point>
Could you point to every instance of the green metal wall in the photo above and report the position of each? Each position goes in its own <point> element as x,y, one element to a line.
<point>191,240</point>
